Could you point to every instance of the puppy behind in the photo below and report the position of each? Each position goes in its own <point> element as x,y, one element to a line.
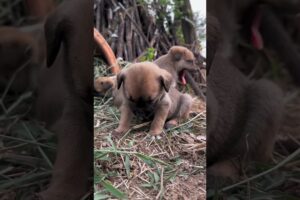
<point>243,115</point>
<point>146,92</point>
<point>176,61</point>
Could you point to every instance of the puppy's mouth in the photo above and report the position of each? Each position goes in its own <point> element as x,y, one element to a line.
<point>182,74</point>
<point>182,77</point>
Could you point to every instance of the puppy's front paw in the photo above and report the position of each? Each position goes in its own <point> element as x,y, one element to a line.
<point>155,137</point>
<point>116,133</point>
<point>170,124</point>
<point>119,131</point>
<point>155,132</point>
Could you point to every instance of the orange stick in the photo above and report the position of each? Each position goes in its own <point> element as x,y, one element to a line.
<point>107,51</point>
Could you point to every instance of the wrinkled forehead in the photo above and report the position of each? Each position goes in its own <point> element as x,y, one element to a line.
<point>137,85</point>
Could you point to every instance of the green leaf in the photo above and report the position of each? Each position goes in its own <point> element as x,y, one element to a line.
<point>97,176</point>
<point>156,177</point>
<point>146,159</point>
<point>100,196</point>
<point>110,141</point>
<point>99,155</point>
<point>127,165</point>
<point>151,177</point>
<point>112,190</point>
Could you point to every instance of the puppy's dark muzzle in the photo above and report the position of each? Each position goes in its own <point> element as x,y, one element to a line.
<point>143,110</point>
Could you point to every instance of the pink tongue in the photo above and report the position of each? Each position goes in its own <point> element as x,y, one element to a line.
<point>182,78</point>
<point>257,40</point>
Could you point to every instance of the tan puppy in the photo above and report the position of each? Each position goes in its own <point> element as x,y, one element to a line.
<point>64,91</point>
<point>104,84</point>
<point>176,61</point>
<point>147,92</point>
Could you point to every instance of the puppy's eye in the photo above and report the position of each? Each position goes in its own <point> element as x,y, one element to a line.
<point>101,83</point>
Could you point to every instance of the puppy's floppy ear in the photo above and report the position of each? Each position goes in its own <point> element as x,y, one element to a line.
<point>165,80</point>
<point>120,79</point>
<point>54,30</point>
<point>176,53</point>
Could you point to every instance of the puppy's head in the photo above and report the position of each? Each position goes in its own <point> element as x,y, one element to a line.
<point>183,58</point>
<point>104,84</point>
<point>144,84</point>
<point>16,48</point>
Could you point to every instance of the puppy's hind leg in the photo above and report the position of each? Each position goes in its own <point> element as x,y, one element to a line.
<point>182,112</point>
<point>264,113</point>
<point>185,107</point>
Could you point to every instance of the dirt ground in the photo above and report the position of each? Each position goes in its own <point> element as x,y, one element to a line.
<point>172,167</point>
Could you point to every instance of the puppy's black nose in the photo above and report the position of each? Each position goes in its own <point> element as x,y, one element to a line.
<point>140,102</point>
